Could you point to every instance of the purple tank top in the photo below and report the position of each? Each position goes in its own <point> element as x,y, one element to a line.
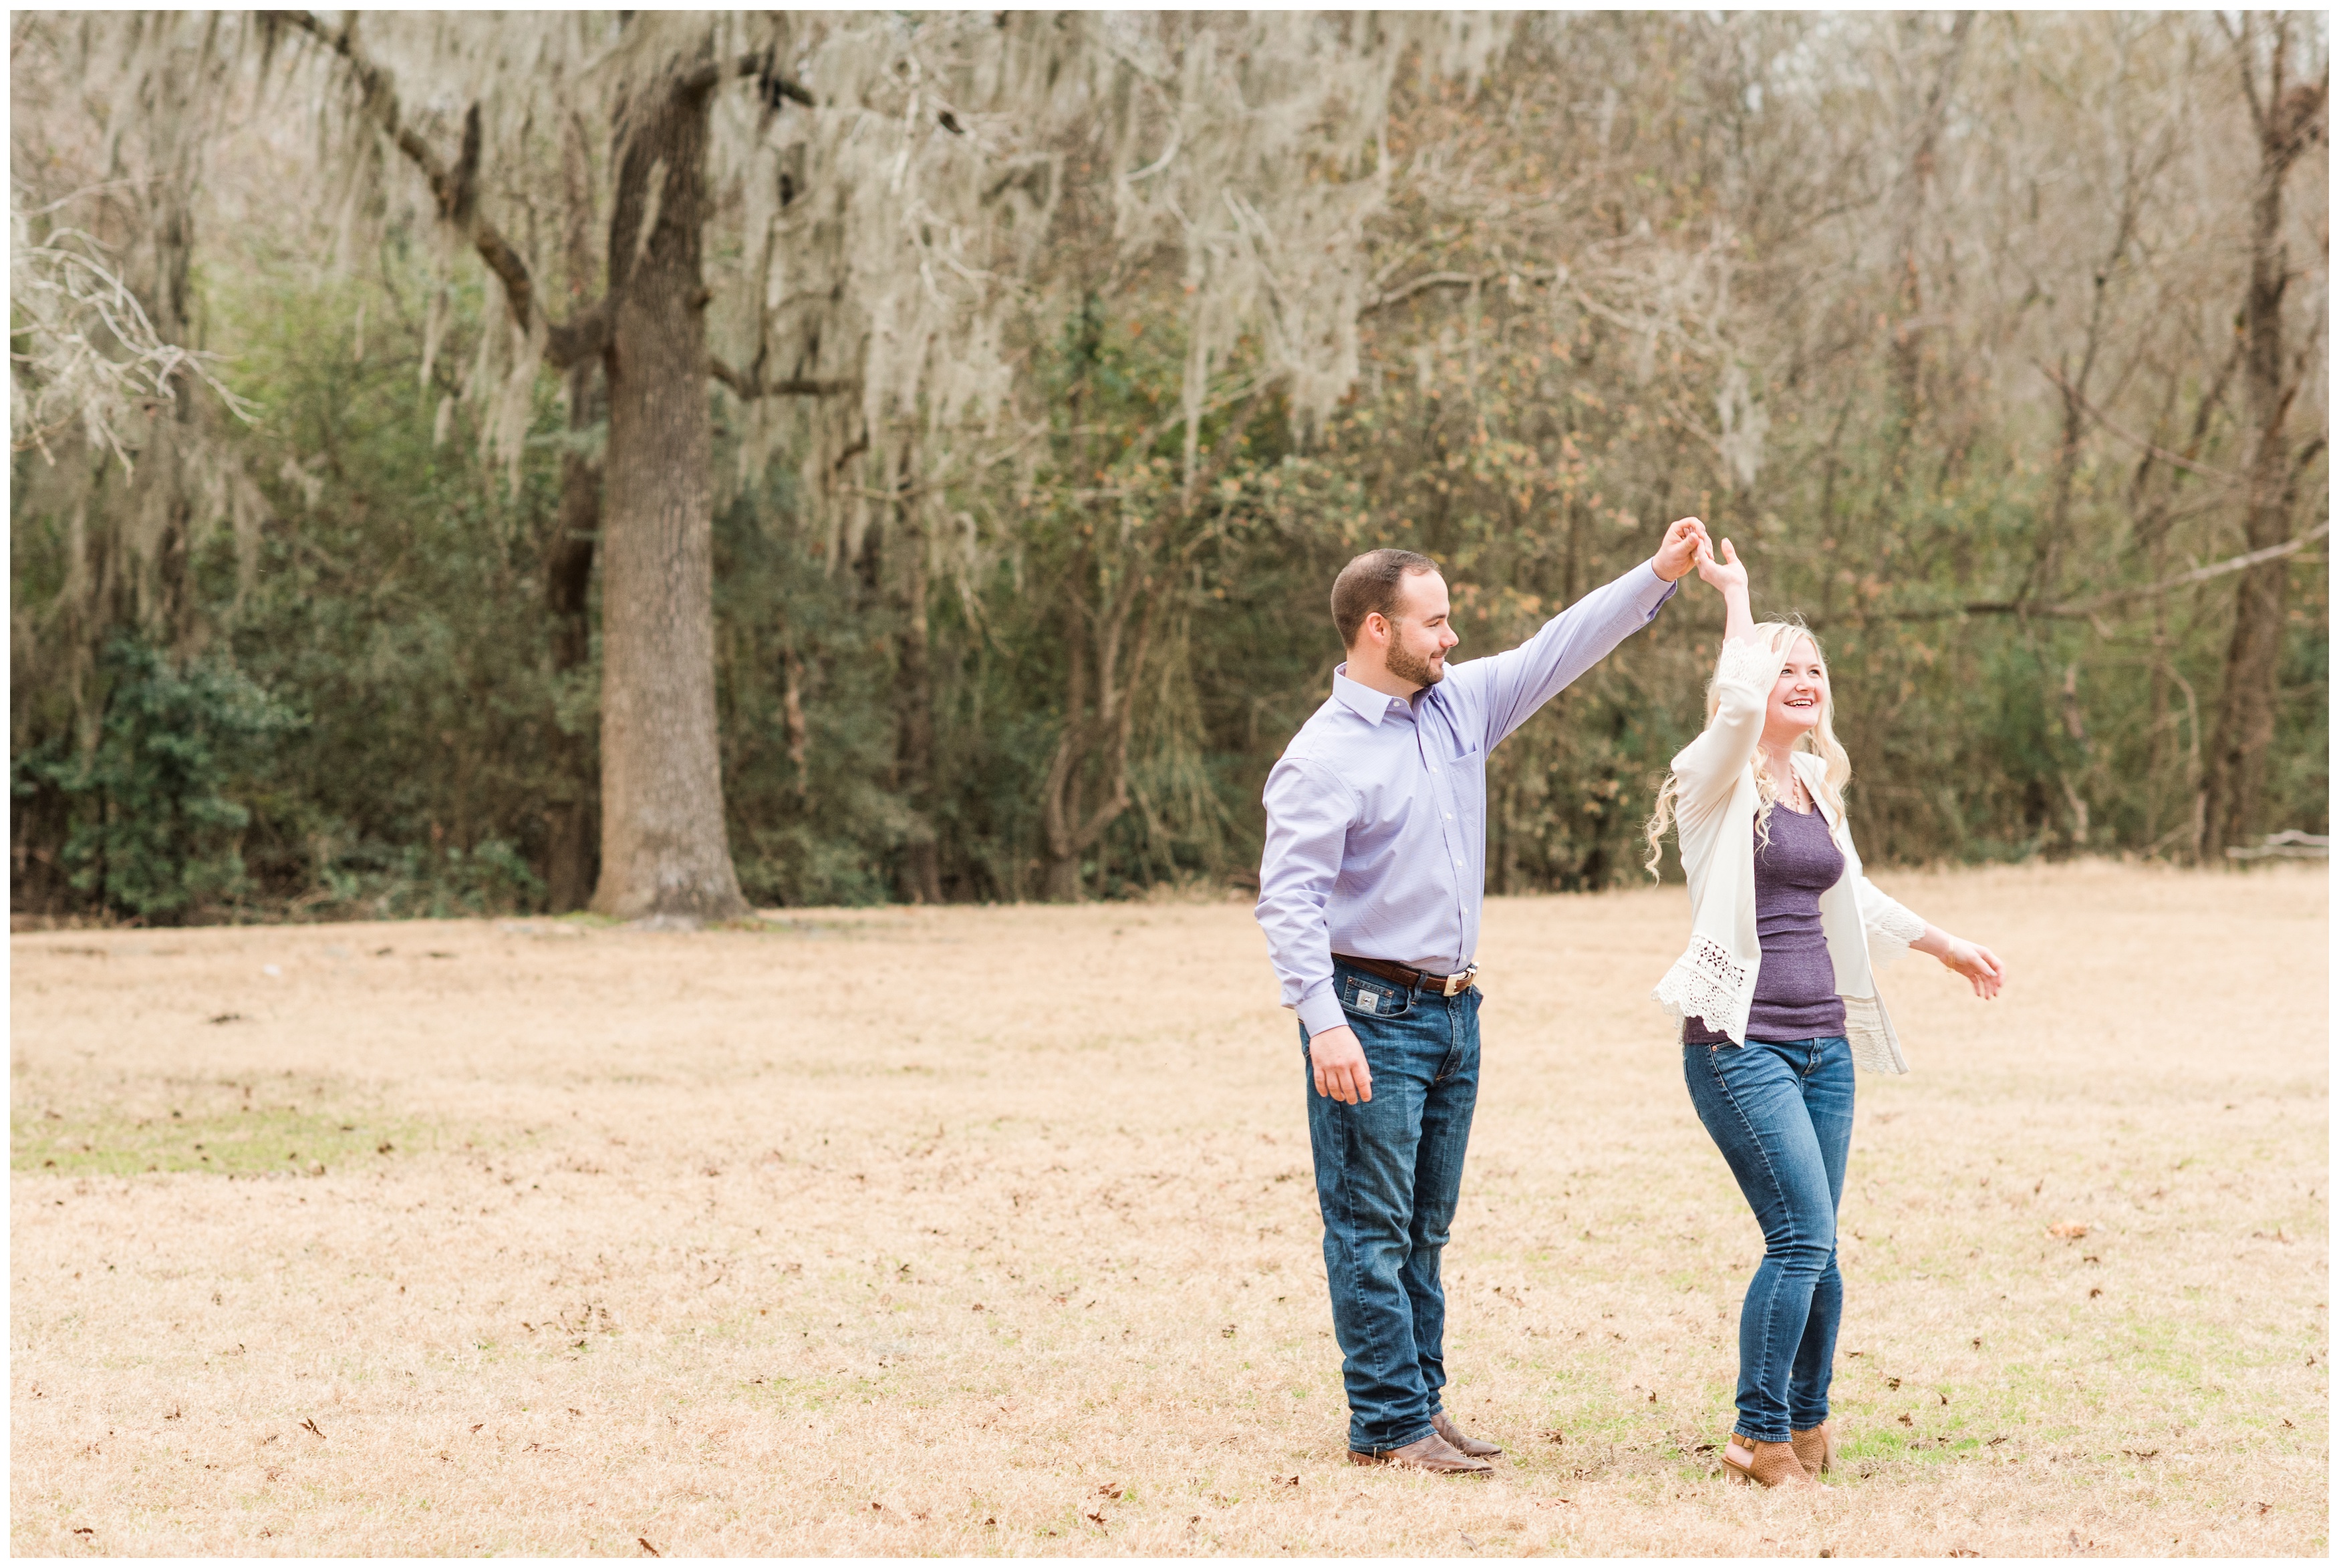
<point>1794,992</point>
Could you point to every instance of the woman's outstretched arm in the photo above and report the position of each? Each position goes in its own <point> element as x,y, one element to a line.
<point>1728,575</point>
<point>1982,968</point>
<point>1707,768</point>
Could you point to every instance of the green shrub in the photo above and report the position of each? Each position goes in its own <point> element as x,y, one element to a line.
<point>154,835</point>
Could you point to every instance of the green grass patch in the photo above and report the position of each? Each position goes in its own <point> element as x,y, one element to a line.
<point>255,1141</point>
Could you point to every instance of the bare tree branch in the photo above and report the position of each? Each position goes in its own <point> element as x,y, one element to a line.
<point>2083,609</point>
<point>2163,453</point>
<point>584,334</point>
<point>772,87</point>
<point>750,383</point>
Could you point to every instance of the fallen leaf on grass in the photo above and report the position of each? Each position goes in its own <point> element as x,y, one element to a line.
<point>1098,1517</point>
<point>2141,1453</point>
<point>226,1018</point>
<point>1110,1490</point>
<point>1554,1436</point>
<point>310,1425</point>
<point>644,1543</point>
<point>2070,1230</point>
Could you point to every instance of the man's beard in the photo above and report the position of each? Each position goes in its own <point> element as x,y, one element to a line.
<point>1407,665</point>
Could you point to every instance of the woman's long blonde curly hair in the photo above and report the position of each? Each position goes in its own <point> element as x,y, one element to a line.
<point>1779,637</point>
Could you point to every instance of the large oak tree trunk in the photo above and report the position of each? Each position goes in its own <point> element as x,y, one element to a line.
<point>664,848</point>
<point>2234,775</point>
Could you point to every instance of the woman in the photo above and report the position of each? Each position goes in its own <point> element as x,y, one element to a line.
<point>1777,1002</point>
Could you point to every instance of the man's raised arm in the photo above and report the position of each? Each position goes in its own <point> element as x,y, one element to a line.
<point>1509,686</point>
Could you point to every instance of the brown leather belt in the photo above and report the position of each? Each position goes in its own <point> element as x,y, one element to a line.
<point>1412,979</point>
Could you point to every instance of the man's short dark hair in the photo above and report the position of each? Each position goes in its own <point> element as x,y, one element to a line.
<point>1368,586</point>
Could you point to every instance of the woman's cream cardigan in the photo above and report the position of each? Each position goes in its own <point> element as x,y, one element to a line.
<point>1714,804</point>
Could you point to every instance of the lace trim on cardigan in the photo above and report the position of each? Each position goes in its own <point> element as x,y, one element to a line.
<point>1873,1048</point>
<point>1706,983</point>
<point>1890,932</point>
<point>1747,664</point>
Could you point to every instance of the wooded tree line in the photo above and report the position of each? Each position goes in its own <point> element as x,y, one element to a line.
<point>669,462</point>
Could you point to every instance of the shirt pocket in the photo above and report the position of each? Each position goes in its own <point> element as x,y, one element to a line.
<point>1466,776</point>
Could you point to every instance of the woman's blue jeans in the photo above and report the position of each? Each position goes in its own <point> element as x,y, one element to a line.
<point>1389,1174</point>
<point>1781,1113</point>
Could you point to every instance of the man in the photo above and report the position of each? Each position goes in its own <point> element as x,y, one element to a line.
<point>1369,893</point>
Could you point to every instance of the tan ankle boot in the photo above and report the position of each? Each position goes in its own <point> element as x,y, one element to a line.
<point>1764,1463</point>
<point>1815,1447</point>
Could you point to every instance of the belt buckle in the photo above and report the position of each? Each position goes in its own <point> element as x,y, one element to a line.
<point>1456,983</point>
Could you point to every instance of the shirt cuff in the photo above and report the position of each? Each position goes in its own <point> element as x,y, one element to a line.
<point>1320,1010</point>
<point>1662,589</point>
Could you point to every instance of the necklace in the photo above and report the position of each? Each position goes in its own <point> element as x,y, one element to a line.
<point>1793,796</point>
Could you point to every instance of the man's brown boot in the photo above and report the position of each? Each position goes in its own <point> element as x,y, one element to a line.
<point>1474,1448</point>
<point>1815,1448</point>
<point>1432,1452</point>
<point>1764,1463</point>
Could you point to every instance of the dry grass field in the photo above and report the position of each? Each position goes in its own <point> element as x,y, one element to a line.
<point>991,1231</point>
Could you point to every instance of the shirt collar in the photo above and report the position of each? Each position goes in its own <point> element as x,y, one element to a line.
<point>1370,705</point>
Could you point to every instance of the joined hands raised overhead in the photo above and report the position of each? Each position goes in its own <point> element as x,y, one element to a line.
<point>1684,543</point>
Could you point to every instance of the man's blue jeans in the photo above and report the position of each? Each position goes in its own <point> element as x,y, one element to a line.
<point>1781,1113</point>
<point>1389,1173</point>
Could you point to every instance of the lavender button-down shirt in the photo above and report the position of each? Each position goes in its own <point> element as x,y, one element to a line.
<point>1376,814</point>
